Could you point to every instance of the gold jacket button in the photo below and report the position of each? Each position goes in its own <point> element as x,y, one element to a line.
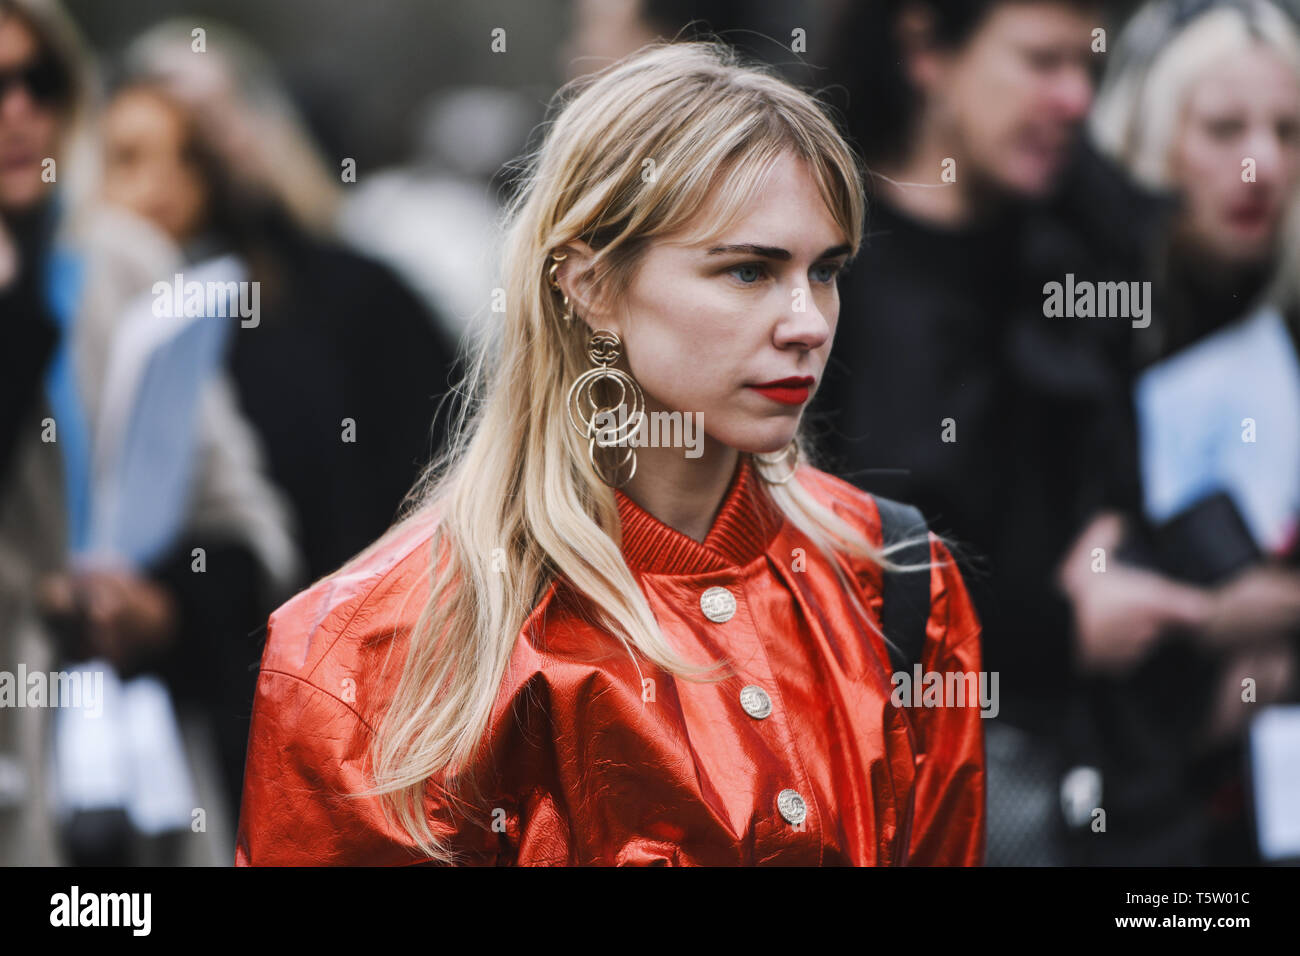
<point>755,701</point>
<point>792,807</point>
<point>718,605</point>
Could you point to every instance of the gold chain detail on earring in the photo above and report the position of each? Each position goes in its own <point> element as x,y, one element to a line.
<point>603,349</point>
<point>790,454</point>
<point>559,257</point>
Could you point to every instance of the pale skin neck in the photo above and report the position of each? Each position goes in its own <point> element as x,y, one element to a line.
<point>916,187</point>
<point>684,493</point>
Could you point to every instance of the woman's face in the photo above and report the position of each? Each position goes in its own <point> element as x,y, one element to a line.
<point>1243,106</point>
<point>147,167</point>
<point>29,125</point>
<point>704,325</point>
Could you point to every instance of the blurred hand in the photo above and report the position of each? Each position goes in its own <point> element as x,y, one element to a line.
<point>1271,666</point>
<point>124,616</point>
<point>1120,616</point>
<point>1257,606</point>
<point>1121,612</point>
<point>59,601</point>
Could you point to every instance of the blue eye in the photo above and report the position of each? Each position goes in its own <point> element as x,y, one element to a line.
<point>756,267</point>
<point>834,271</point>
<point>757,270</point>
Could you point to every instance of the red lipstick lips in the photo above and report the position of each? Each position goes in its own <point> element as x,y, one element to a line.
<point>787,391</point>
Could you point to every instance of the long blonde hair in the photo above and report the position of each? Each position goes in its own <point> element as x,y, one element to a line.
<point>513,495</point>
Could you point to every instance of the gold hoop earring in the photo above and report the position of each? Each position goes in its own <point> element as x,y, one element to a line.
<point>584,410</point>
<point>787,457</point>
<point>559,257</point>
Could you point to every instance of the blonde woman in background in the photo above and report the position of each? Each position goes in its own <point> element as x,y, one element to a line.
<point>1203,102</point>
<point>253,125</point>
<point>208,148</point>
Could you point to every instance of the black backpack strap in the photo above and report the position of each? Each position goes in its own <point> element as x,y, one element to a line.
<point>906,593</point>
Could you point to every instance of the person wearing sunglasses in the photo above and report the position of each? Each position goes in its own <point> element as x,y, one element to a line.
<point>34,93</point>
<point>70,271</point>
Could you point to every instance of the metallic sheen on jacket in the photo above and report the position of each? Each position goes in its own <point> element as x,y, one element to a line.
<point>586,765</point>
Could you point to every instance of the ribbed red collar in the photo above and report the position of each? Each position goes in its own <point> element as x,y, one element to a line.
<point>746,524</point>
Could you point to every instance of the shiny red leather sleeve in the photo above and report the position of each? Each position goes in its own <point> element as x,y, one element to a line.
<point>324,677</point>
<point>948,826</point>
<point>304,755</point>
<point>305,759</point>
<point>308,748</point>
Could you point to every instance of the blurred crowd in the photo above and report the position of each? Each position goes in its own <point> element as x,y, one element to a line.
<point>1071,338</point>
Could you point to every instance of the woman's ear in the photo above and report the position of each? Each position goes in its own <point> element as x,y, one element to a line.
<point>576,281</point>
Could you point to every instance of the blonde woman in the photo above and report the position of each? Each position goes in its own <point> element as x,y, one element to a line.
<point>1203,102</point>
<point>576,651</point>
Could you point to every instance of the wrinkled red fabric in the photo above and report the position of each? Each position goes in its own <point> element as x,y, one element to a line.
<point>584,763</point>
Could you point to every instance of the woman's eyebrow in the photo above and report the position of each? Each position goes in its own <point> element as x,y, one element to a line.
<point>772,252</point>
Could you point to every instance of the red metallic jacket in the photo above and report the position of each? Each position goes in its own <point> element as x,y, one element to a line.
<point>799,757</point>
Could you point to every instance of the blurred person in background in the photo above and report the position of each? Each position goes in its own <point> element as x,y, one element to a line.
<point>603,31</point>
<point>71,269</point>
<point>208,147</point>
<point>951,388</point>
<point>37,105</point>
<point>1203,100</point>
<point>251,121</point>
<point>434,219</point>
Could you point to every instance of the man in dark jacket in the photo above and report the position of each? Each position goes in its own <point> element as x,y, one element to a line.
<point>951,388</point>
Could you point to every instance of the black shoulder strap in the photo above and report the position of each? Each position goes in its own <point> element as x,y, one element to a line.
<point>906,593</point>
